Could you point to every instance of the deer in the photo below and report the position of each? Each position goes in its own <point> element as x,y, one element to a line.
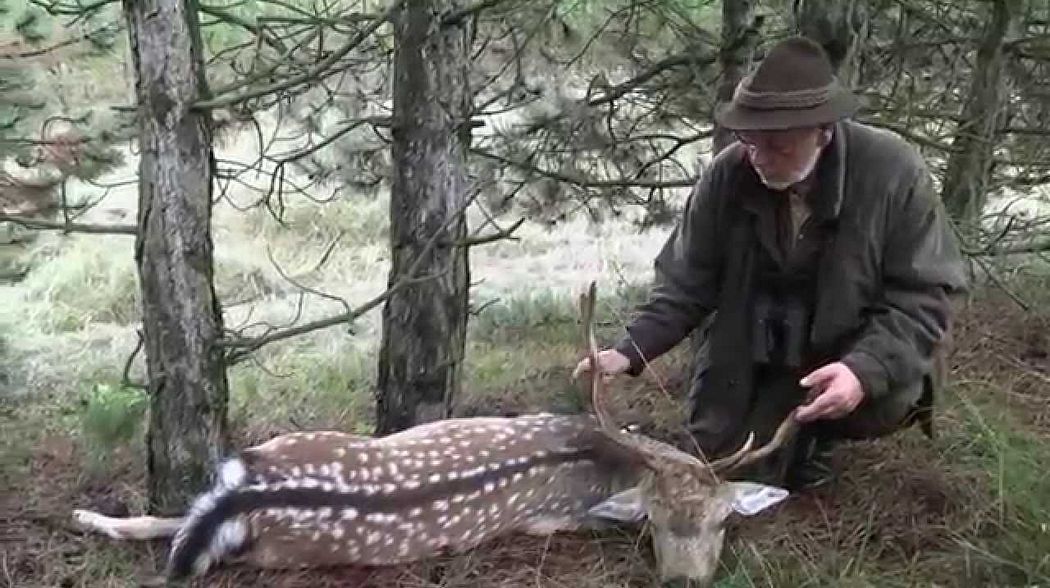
<point>326,498</point>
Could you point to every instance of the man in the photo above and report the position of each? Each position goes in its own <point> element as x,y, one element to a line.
<point>820,252</point>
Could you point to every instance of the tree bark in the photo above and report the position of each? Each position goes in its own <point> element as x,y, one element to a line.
<point>740,36</point>
<point>424,324</point>
<point>840,26</point>
<point>181,317</point>
<point>970,163</point>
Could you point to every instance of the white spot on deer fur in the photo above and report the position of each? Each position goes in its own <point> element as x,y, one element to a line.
<point>458,498</point>
<point>340,452</point>
<point>434,478</point>
<point>324,512</point>
<point>337,532</point>
<point>489,487</point>
<point>310,483</point>
<point>518,476</point>
<point>440,504</point>
<point>389,488</point>
<point>349,514</point>
<point>363,475</point>
<point>445,440</point>
<point>453,475</point>
<point>464,443</point>
<point>415,512</point>
<point>309,469</point>
<point>324,470</point>
<point>327,487</point>
<point>513,498</point>
<point>296,472</point>
<point>474,495</point>
<point>362,457</point>
<point>392,469</point>
<point>232,473</point>
<point>411,484</point>
<point>373,538</point>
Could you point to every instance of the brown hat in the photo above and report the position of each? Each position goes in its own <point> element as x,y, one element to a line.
<point>795,86</point>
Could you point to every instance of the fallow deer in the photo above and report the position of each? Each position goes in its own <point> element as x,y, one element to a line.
<point>326,498</point>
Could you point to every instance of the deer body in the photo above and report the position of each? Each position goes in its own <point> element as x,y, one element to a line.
<point>326,498</point>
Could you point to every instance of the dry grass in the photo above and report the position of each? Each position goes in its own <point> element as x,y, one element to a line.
<point>906,511</point>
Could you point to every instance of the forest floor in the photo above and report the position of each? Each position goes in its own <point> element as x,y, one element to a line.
<point>971,507</point>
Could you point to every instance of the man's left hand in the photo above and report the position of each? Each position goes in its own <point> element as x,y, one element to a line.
<point>835,392</point>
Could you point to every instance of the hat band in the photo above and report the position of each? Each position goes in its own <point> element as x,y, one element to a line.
<point>793,99</point>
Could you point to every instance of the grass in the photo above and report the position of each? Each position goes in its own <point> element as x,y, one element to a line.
<point>969,508</point>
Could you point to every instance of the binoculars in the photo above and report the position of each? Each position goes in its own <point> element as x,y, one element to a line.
<point>780,331</point>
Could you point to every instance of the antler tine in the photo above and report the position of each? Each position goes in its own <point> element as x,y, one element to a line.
<point>587,305</point>
<point>745,455</point>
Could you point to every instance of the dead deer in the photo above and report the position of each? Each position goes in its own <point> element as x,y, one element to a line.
<point>326,498</point>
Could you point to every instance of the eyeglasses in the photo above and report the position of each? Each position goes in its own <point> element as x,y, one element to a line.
<point>786,140</point>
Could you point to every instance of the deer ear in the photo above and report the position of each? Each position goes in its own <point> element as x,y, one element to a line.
<point>750,498</point>
<point>626,506</point>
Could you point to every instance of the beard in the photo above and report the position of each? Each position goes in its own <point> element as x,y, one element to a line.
<point>790,179</point>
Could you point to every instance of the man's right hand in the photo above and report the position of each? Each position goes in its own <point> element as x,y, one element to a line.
<point>610,361</point>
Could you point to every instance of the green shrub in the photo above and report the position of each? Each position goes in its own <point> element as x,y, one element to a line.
<point>112,416</point>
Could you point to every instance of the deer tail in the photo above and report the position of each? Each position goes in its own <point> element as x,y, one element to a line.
<point>211,529</point>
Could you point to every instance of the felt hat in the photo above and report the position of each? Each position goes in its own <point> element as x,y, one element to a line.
<point>794,86</point>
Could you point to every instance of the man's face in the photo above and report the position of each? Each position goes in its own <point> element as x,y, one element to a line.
<point>784,157</point>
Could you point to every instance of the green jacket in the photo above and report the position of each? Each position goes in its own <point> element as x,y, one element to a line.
<point>883,281</point>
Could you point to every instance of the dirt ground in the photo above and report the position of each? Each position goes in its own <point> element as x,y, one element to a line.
<point>899,501</point>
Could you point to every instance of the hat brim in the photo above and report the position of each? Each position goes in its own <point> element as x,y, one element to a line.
<point>841,104</point>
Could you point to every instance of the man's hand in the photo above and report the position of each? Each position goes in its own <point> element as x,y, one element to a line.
<point>835,392</point>
<point>611,362</point>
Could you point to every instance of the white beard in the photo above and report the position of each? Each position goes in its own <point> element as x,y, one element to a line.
<point>794,178</point>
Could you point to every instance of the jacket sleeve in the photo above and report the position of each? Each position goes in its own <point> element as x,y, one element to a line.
<point>686,277</point>
<point>922,267</point>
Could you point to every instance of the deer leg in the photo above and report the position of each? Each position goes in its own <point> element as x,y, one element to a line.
<point>133,528</point>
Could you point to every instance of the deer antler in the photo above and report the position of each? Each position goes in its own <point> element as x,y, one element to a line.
<point>587,304</point>
<point>745,455</point>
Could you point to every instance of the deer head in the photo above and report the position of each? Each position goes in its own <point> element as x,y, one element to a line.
<point>686,500</point>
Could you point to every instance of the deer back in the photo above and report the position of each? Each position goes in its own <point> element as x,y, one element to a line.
<point>329,498</point>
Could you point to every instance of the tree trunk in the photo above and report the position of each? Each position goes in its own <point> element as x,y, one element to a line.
<point>740,36</point>
<point>424,323</point>
<point>181,316</point>
<point>840,26</point>
<point>970,163</point>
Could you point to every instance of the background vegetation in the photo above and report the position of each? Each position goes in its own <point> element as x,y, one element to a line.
<point>596,118</point>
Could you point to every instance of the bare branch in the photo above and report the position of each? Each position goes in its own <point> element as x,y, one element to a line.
<point>312,74</point>
<point>69,227</point>
<point>507,233</point>
<point>585,182</point>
